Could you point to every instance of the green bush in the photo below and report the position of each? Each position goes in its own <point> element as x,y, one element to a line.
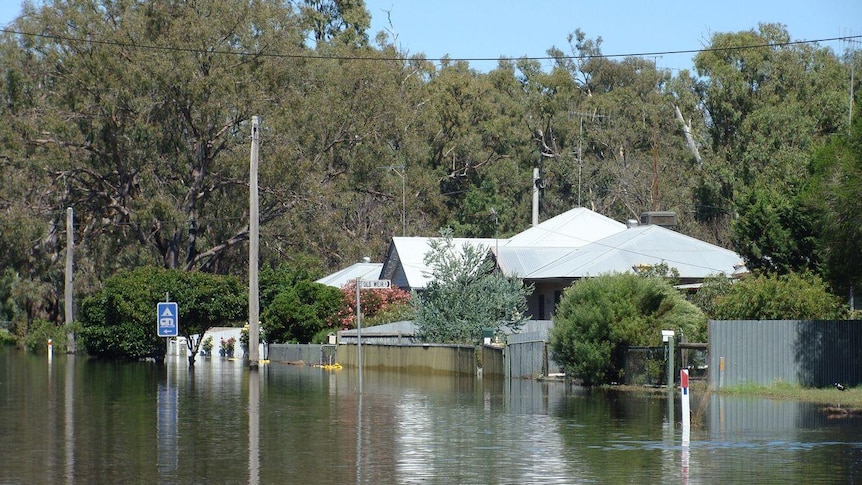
<point>779,297</point>
<point>599,318</point>
<point>300,312</point>
<point>40,331</point>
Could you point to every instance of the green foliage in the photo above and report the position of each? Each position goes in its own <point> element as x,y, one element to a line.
<point>711,290</point>
<point>119,322</point>
<point>299,313</point>
<point>774,232</point>
<point>778,297</point>
<point>597,319</point>
<point>466,294</point>
<point>40,331</point>
<point>833,194</point>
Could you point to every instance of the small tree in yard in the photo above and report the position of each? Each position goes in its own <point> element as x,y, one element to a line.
<point>466,295</point>
<point>120,321</point>
<point>597,319</point>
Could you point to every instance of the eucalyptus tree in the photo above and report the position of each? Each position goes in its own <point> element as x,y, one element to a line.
<point>138,113</point>
<point>768,103</point>
<point>476,149</point>
<point>607,131</point>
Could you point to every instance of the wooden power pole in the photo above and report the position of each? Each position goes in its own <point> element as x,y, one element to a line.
<point>253,248</point>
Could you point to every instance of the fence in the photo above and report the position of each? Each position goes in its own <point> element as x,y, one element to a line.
<point>425,358</point>
<point>809,353</point>
<point>306,353</point>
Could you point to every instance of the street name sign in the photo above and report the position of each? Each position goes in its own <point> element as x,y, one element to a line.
<point>374,284</point>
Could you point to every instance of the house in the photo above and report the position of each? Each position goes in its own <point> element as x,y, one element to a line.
<point>577,244</point>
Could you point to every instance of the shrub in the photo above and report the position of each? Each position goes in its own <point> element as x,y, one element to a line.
<point>599,318</point>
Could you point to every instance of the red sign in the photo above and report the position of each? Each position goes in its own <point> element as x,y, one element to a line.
<point>683,380</point>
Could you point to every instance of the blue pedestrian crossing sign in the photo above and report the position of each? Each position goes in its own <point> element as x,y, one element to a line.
<point>167,319</point>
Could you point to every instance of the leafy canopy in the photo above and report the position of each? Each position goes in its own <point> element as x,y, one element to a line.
<point>119,322</point>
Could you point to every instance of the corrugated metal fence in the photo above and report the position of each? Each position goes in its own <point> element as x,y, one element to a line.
<point>810,353</point>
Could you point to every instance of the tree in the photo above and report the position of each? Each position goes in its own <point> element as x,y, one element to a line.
<point>775,230</point>
<point>303,313</point>
<point>466,294</point>
<point>833,195</point>
<point>790,296</point>
<point>767,103</point>
<point>598,318</point>
<point>161,94</point>
<point>119,322</point>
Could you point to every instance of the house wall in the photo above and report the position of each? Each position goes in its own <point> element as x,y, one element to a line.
<point>542,303</point>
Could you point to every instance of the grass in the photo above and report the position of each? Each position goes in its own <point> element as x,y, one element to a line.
<point>827,396</point>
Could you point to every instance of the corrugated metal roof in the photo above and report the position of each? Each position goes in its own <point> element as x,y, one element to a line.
<point>643,245</point>
<point>366,271</point>
<point>572,229</point>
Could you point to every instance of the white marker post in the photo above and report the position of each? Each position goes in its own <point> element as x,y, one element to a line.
<point>50,350</point>
<point>686,424</point>
<point>685,405</point>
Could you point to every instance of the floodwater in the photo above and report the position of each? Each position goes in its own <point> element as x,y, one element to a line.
<point>77,420</point>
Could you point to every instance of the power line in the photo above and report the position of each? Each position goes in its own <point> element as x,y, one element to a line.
<point>154,47</point>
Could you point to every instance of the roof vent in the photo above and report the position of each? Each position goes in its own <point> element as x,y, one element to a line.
<point>366,259</point>
<point>630,223</point>
<point>659,218</point>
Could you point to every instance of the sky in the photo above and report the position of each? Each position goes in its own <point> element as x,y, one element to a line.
<point>476,29</point>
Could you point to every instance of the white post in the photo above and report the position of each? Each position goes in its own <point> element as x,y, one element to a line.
<point>50,350</point>
<point>253,248</point>
<point>685,406</point>
<point>70,246</point>
<point>535,196</point>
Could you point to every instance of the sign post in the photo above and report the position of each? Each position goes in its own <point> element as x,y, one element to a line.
<point>167,319</point>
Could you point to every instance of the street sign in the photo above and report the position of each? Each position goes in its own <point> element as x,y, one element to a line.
<point>167,319</point>
<point>374,284</point>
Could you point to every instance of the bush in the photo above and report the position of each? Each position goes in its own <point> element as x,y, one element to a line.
<point>40,331</point>
<point>299,313</point>
<point>802,296</point>
<point>599,318</point>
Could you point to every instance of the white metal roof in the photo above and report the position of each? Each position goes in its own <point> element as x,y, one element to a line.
<point>571,229</point>
<point>642,245</point>
<point>366,271</point>
<point>405,263</point>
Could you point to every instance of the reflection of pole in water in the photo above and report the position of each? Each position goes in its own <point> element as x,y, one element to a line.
<point>359,437</point>
<point>253,426</point>
<point>166,428</point>
<point>69,428</point>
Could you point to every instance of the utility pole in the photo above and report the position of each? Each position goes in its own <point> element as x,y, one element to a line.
<point>253,247</point>
<point>71,347</point>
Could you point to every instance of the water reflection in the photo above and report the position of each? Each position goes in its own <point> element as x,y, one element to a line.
<point>79,420</point>
<point>253,427</point>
